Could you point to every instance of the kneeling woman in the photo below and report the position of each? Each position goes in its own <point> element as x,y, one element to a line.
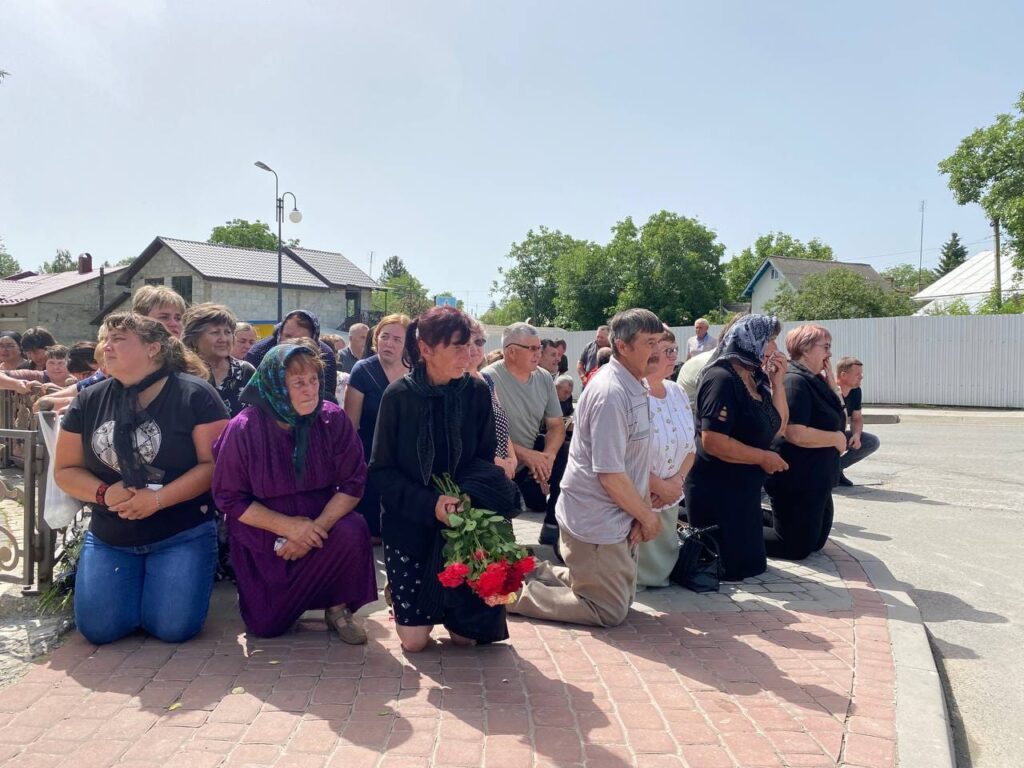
<point>290,471</point>
<point>433,421</point>
<point>138,448</point>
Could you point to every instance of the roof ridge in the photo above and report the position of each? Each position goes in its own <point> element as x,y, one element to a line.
<point>165,238</point>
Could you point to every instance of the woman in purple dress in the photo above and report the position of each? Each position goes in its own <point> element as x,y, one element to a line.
<point>289,472</point>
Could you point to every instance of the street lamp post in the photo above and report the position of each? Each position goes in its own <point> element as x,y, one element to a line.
<point>295,218</point>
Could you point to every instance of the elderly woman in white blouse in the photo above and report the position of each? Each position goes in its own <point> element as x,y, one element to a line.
<point>672,454</point>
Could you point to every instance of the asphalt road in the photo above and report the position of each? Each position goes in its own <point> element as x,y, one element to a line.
<point>942,505</point>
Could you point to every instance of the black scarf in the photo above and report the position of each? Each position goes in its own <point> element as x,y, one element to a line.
<point>818,386</point>
<point>447,396</point>
<point>128,417</point>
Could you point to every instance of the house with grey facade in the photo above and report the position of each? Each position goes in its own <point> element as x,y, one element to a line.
<point>777,271</point>
<point>65,303</point>
<point>245,280</point>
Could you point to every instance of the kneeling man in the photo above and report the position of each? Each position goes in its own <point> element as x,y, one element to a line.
<point>604,509</point>
<point>849,374</point>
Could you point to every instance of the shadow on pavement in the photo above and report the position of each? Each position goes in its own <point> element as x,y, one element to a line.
<point>857,532</point>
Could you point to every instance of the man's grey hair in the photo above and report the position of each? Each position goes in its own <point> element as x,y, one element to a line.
<point>565,379</point>
<point>700,320</point>
<point>517,331</point>
<point>604,328</point>
<point>359,327</point>
<point>630,322</point>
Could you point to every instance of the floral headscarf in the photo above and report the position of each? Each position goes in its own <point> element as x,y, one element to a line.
<point>268,391</point>
<point>745,343</point>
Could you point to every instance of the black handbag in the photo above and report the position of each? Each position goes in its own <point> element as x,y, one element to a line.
<point>698,566</point>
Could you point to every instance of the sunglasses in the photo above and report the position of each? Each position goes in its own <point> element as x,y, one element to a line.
<point>535,348</point>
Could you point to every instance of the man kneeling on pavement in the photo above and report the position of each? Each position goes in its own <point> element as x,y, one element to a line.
<point>604,510</point>
<point>527,393</point>
<point>849,374</point>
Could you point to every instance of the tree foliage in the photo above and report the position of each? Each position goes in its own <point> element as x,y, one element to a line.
<point>988,168</point>
<point>245,234</point>
<point>908,278</point>
<point>8,264</point>
<point>740,269</point>
<point>671,266</point>
<point>507,312</point>
<point>954,253</point>
<point>62,262</point>
<point>586,287</point>
<point>838,294</point>
<point>531,279</point>
<point>954,307</point>
<point>392,267</point>
<point>405,294</point>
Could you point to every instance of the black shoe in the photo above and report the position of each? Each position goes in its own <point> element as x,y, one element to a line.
<point>548,534</point>
<point>845,481</point>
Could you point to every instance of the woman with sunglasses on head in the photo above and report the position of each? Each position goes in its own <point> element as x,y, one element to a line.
<point>813,442</point>
<point>366,385</point>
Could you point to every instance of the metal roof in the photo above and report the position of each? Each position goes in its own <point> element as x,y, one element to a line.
<point>798,270</point>
<point>972,281</point>
<point>333,267</point>
<point>35,286</point>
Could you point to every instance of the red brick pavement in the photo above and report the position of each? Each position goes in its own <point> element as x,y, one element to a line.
<point>702,689</point>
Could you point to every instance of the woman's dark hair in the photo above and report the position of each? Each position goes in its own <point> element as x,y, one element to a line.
<point>36,338</point>
<point>440,325</point>
<point>12,335</point>
<point>82,357</point>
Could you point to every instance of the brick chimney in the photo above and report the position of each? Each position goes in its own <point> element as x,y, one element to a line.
<point>84,263</point>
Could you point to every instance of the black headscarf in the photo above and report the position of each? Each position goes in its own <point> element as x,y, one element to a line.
<point>268,391</point>
<point>447,396</point>
<point>129,415</point>
<point>310,319</point>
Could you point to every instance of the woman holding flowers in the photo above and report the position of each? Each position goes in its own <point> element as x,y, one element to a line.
<point>436,421</point>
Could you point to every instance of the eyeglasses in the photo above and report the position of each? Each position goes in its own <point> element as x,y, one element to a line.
<point>826,347</point>
<point>534,348</point>
<point>15,346</point>
<point>672,351</point>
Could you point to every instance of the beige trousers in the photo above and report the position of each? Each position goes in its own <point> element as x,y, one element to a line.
<point>596,586</point>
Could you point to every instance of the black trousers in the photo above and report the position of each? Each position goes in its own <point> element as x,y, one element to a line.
<point>802,523</point>
<point>533,496</point>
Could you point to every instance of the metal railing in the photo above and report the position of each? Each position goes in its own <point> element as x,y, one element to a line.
<point>26,541</point>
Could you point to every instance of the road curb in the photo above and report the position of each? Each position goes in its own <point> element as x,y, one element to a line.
<point>947,417</point>
<point>923,732</point>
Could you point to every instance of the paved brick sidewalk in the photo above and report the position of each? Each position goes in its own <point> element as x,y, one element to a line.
<point>793,669</point>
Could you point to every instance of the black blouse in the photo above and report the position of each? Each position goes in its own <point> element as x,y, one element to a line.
<point>725,406</point>
<point>408,522</point>
<point>811,404</point>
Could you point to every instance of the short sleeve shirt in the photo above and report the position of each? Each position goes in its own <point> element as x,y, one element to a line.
<point>695,346</point>
<point>589,357</point>
<point>853,401</point>
<point>526,405</point>
<point>164,443</point>
<point>612,435</point>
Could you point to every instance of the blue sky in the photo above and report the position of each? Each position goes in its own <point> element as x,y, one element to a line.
<point>443,131</point>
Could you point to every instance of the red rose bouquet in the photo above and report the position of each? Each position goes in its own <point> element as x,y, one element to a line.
<point>481,551</point>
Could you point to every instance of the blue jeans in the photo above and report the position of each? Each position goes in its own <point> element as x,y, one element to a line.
<point>164,587</point>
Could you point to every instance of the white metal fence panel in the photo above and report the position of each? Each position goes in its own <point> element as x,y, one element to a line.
<point>975,360</point>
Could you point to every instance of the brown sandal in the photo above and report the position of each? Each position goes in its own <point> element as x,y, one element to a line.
<point>344,624</point>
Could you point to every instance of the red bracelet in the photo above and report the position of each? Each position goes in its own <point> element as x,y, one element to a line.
<point>101,494</point>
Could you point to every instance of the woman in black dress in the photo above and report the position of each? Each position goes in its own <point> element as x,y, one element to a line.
<point>433,421</point>
<point>741,407</point>
<point>813,442</point>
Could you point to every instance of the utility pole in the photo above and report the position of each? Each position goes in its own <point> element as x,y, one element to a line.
<point>920,253</point>
<point>999,266</point>
<point>371,265</point>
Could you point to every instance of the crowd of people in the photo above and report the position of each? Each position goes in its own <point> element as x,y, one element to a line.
<point>206,453</point>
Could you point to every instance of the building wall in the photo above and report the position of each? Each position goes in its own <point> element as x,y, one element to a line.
<point>765,290</point>
<point>167,264</point>
<point>66,314</point>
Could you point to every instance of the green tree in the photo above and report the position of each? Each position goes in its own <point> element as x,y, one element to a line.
<point>907,277</point>
<point>245,234</point>
<point>954,307</point>
<point>988,168</point>
<point>531,278</point>
<point>8,264</point>
<point>1009,305</point>
<point>740,269</point>
<point>405,294</point>
<point>62,262</point>
<point>954,253</point>
<point>587,288</point>
<point>671,266</point>
<point>507,312</point>
<point>838,294</point>
<point>393,266</point>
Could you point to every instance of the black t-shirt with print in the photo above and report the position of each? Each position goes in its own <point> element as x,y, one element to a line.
<point>166,446</point>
